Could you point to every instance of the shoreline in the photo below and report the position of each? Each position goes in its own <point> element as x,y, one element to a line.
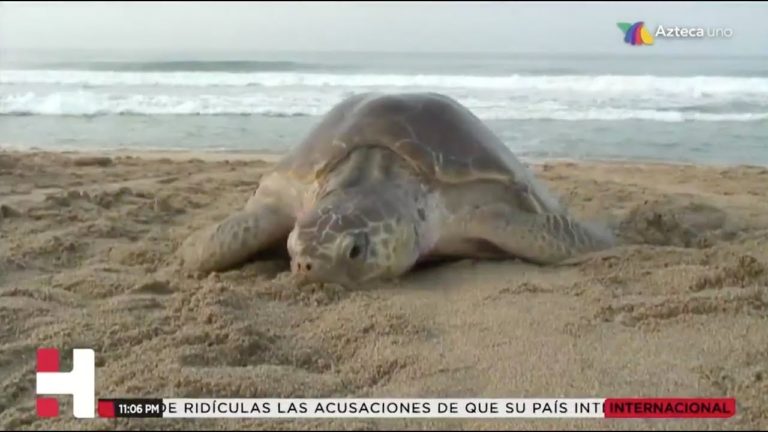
<point>274,156</point>
<point>174,154</point>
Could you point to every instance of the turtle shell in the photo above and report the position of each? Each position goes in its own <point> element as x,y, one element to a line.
<point>440,138</point>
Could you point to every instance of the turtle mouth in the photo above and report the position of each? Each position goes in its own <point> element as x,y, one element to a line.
<point>305,277</point>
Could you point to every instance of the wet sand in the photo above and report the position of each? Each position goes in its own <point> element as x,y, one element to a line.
<point>87,260</point>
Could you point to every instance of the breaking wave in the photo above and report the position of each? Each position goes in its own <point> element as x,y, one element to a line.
<point>647,85</point>
<point>170,89</point>
<point>296,103</point>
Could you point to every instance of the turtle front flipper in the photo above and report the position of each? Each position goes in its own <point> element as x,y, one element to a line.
<point>232,241</point>
<point>540,238</point>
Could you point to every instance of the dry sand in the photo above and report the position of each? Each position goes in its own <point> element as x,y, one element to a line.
<point>87,260</point>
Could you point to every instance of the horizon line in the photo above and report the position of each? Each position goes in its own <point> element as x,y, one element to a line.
<point>196,53</point>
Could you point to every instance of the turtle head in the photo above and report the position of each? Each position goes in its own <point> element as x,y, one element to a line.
<point>355,237</point>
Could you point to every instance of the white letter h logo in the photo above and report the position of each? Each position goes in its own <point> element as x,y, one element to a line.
<point>80,383</point>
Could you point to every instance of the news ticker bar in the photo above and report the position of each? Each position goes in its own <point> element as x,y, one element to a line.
<point>420,408</point>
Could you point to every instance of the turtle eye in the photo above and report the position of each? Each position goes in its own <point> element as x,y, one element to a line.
<point>359,245</point>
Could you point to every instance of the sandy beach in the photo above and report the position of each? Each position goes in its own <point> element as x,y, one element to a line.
<point>87,259</point>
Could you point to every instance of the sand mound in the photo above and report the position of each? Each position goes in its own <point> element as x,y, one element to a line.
<point>675,222</point>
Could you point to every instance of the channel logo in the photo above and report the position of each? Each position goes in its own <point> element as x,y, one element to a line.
<point>636,34</point>
<point>79,383</point>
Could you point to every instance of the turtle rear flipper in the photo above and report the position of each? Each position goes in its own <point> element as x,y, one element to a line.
<point>539,238</point>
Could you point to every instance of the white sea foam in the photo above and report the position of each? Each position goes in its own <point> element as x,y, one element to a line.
<point>515,97</point>
<point>90,103</point>
<point>697,86</point>
<point>85,103</point>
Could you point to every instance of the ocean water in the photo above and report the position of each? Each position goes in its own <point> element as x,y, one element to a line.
<point>701,110</point>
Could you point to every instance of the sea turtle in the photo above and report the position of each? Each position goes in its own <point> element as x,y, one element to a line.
<point>386,181</point>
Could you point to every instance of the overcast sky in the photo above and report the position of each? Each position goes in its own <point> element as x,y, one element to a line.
<point>200,27</point>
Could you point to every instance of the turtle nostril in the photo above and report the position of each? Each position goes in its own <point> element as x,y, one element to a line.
<point>303,266</point>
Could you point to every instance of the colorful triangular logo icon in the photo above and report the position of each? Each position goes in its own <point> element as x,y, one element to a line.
<point>636,34</point>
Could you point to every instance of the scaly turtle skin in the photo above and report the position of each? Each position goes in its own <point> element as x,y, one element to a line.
<point>386,181</point>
